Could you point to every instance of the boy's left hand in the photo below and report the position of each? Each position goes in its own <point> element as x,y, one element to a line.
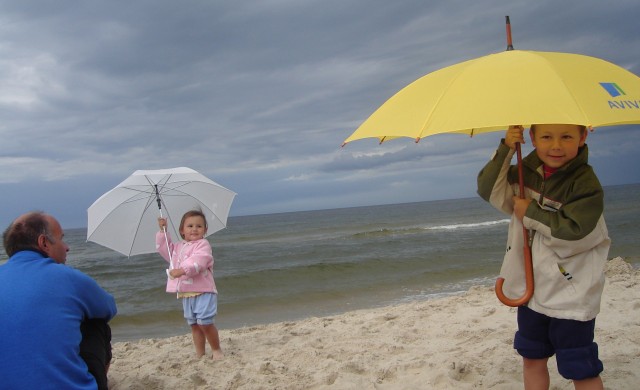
<point>520,207</point>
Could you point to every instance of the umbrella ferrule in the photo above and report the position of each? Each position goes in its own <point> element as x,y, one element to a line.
<point>509,40</point>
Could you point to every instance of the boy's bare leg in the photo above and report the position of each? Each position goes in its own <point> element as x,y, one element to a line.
<point>211,332</point>
<point>198,340</point>
<point>589,384</point>
<point>535,374</point>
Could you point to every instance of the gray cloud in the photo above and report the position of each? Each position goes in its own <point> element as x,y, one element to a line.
<point>259,95</point>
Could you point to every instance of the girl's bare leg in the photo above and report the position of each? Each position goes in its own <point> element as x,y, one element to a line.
<point>211,333</point>
<point>198,339</point>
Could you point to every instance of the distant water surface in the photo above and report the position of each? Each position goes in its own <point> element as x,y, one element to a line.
<point>280,267</point>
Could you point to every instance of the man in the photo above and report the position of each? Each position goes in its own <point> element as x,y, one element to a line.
<point>43,305</point>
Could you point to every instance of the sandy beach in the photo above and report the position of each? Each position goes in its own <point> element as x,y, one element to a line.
<point>459,342</point>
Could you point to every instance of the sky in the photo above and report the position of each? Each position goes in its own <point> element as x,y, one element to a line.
<point>259,95</point>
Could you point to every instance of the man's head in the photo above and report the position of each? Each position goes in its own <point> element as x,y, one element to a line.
<point>36,231</point>
<point>557,144</point>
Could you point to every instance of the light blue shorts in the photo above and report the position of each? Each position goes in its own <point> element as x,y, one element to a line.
<point>200,309</point>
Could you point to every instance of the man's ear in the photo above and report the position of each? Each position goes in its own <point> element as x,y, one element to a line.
<point>43,243</point>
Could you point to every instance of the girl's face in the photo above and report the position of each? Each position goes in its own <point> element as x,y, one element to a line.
<point>193,228</point>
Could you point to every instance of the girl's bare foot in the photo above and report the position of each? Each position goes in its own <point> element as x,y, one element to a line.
<point>217,354</point>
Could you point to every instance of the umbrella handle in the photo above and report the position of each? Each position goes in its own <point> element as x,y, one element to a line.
<point>528,262</point>
<point>166,241</point>
<point>164,228</point>
<point>528,273</point>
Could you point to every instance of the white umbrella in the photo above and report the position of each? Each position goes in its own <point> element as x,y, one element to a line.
<point>125,219</point>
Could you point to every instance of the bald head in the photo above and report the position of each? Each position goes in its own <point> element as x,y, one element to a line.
<point>36,231</point>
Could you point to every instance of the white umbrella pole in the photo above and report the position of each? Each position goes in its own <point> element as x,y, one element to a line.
<point>166,241</point>
<point>164,228</point>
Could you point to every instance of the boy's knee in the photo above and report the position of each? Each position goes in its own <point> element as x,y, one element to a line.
<point>531,349</point>
<point>579,363</point>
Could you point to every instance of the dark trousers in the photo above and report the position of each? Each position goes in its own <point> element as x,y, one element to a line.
<point>95,349</point>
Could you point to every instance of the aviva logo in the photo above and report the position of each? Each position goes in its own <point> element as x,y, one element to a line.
<point>613,89</point>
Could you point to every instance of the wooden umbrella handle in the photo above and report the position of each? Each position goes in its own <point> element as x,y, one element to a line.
<point>528,261</point>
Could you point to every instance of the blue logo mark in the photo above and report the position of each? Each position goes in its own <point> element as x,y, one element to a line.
<point>613,89</point>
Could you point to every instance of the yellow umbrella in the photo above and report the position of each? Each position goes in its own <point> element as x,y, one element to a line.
<point>514,87</point>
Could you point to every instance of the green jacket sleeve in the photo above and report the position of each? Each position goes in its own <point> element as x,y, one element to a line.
<point>493,183</point>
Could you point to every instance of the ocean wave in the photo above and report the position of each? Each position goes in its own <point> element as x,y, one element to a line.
<point>468,225</point>
<point>419,229</point>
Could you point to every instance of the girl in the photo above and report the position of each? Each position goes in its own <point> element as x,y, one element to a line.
<point>191,277</point>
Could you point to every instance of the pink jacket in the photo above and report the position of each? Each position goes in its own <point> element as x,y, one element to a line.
<point>195,258</point>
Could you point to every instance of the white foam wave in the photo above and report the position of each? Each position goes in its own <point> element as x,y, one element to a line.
<point>468,225</point>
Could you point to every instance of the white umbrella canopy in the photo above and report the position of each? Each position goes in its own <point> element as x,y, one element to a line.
<point>125,219</point>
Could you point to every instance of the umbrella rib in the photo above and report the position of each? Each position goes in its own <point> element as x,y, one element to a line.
<point>129,200</point>
<point>435,105</point>
<point>182,193</point>
<point>569,91</point>
<point>163,187</point>
<point>135,234</point>
<point>186,194</point>
<point>149,201</point>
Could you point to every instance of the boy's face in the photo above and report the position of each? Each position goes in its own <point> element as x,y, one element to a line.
<point>557,144</point>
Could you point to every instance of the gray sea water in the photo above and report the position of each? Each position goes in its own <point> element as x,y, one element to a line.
<point>280,267</point>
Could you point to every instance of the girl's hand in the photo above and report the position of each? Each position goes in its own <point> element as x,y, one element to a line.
<point>176,272</point>
<point>514,135</point>
<point>162,223</point>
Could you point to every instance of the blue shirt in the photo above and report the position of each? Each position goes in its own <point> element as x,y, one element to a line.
<point>42,304</point>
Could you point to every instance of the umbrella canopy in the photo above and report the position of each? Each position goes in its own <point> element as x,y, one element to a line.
<point>514,87</point>
<point>125,219</point>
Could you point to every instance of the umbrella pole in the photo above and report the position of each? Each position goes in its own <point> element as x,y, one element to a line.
<point>528,263</point>
<point>164,228</point>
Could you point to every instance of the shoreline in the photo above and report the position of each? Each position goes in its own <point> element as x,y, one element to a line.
<point>462,341</point>
<point>172,323</point>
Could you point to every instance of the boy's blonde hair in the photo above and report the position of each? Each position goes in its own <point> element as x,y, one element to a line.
<point>192,213</point>
<point>583,129</point>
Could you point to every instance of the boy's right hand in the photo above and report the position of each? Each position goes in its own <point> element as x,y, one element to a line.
<point>514,135</point>
<point>162,223</point>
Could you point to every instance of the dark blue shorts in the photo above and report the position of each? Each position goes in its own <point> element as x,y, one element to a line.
<point>540,336</point>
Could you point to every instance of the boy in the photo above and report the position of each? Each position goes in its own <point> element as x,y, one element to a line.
<point>563,209</point>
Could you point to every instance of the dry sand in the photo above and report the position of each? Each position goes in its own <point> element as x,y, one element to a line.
<point>460,342</point>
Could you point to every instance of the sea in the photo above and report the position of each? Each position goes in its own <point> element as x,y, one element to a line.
<point>287,266</point>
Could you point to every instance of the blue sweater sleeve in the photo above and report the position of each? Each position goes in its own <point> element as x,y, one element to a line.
<point>94,301</point>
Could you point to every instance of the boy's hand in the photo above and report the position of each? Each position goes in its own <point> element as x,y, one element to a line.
<point>514,135</point>
<point>162,223</point>
<point>520,207</point>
